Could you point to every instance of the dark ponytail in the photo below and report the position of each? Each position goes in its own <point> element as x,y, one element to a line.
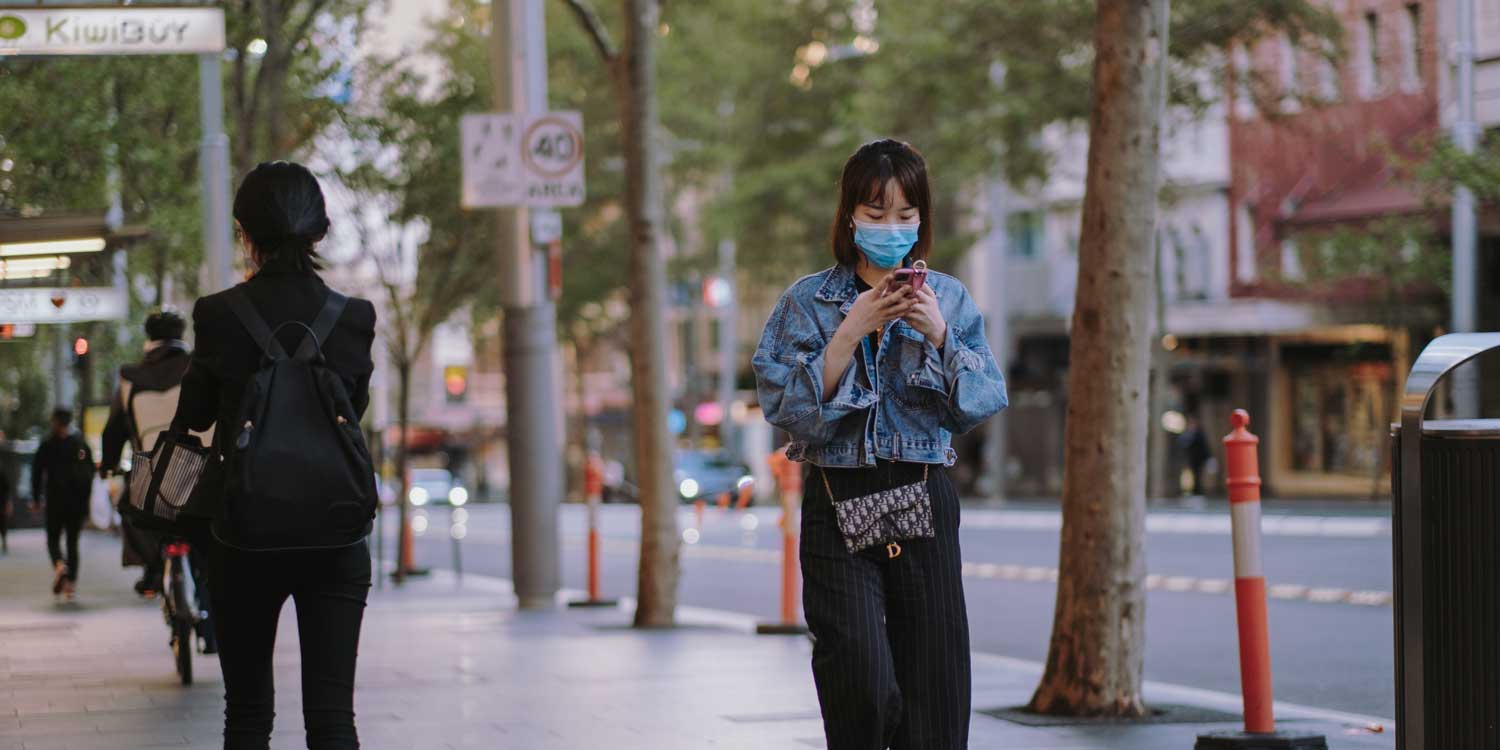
<point>280,206</point>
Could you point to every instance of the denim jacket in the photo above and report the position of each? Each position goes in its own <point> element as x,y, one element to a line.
<point>907,400</point>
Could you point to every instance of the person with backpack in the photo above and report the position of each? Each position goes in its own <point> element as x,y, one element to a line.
<point>62,474</point>
<point>282,366</point>
<point>143,406</point>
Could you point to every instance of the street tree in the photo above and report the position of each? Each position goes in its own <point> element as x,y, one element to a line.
<point>398,180</point>
<point>632,71</point>
<point>1096,658</point>
<point>288,74</point>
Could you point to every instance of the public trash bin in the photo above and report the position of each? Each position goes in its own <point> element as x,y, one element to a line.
<point>1446,538</point>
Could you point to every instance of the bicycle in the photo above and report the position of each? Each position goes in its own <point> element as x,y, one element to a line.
<point>179,607</point>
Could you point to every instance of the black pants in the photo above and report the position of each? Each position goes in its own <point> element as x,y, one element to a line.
<point>58,524</point>
<point>248,590</point>
<point>891,655</point>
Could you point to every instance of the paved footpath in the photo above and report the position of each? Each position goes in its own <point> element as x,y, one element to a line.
<point>452,664</point>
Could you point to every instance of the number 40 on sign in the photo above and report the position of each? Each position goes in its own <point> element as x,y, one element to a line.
<point>522,160</point>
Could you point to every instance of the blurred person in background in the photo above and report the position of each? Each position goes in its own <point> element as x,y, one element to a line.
<point>872,377</point>
<point>62,474</point>
<point>5,511</point>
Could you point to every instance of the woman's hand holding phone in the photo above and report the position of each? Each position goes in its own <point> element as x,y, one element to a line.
<point>925,316</point>
<point>877,306</point>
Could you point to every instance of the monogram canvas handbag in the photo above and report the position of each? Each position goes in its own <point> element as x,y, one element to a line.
<point>884,518</point>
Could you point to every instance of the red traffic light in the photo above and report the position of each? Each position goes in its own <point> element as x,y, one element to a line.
<point>80,346</point>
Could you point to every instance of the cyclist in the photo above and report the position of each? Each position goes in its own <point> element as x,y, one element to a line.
<point>142,409</point>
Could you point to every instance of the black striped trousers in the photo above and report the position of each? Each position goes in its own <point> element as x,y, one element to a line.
<point>891,649</point>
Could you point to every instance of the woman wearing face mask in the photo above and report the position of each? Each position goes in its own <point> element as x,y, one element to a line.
<point>280,217</point>
<point>872,376</point>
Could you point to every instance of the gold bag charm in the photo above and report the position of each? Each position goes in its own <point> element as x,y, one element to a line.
<point>893,549</point>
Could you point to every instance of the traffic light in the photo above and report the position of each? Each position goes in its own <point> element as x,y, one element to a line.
<point>456,383</point>
<point>80,352</point>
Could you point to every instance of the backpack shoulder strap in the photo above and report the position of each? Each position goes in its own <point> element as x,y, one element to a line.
<point>240,305</point>
<point>333,307</point>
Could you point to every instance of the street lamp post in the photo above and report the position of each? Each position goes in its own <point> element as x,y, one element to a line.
<point>1465,261</point>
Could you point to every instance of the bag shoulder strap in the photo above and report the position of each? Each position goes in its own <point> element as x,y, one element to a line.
<point>322,326</point>
<point>240,305</point>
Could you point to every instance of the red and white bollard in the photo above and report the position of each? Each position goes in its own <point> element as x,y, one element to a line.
<point>1242,477</point>
<point>593,493</point>
<point>788,475</point>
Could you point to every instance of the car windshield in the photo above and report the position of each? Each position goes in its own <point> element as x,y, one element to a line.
<point>690,460</point>
<point>430,476</point>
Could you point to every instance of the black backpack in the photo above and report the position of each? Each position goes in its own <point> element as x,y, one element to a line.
<point>299,475</point>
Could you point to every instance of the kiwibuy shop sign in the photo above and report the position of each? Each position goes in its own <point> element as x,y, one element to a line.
<point>111,31</point>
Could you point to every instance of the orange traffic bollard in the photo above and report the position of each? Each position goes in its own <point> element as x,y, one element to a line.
<point>1242,476</point>
<point>788,475</point>
<point>593,493</point>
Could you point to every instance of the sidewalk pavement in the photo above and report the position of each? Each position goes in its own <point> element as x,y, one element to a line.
<point>448,663</point>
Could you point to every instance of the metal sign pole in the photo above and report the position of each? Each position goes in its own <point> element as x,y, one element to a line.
<point>535,442</point>
<point>213,163</point>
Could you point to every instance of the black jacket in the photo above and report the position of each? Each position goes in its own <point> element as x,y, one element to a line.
<point>159,370</point>
<point>62,472</point>
<point>225,356</point>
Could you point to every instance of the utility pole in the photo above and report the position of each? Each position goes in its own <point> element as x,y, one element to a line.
<point>213,165</point>
<point>996,455</point>
<point>518,43</point>
<point>728,346</point>
<point>1465,261</point>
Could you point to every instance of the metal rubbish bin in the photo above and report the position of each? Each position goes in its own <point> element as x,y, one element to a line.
<point>1446,538</point>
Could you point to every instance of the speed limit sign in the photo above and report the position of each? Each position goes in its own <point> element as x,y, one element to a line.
<point>516,160</point>
<point>552,152</point>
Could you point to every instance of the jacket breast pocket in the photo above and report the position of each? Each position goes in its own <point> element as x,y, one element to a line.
<point>911,382</point>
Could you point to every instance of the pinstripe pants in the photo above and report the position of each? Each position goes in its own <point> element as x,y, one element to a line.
<point>891,649</point>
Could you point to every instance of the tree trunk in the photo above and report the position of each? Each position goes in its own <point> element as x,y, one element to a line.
<point>634,73</point>
<point>1095,659</point>
<point>403,504</point>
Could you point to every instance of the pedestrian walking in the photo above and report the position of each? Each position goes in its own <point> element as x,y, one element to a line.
<point>871,366</point>
<point>1195,451</point>
<point>5,511</point>
<point>282,306</point>
<point>142,407</point>
<point>62,474</point>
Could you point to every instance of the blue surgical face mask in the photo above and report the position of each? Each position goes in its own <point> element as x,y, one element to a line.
<point>885,245</point>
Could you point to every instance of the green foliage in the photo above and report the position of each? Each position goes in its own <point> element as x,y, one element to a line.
<point>64,121</point>
<point>405,164</point>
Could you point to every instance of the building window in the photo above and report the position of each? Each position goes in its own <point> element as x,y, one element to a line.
<point>1369,58</point>
<point>1291,260</point>
<point>1411,47</point>
<point>1244,241</point>
<point>1291,85</point>
<point>1023,234</point>
<point>1329,88</point>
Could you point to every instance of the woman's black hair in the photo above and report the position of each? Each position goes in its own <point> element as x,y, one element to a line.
<point>280,206</point>
<point>866,175</point>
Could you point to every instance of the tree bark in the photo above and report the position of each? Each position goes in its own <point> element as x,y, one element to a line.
<point>634,74</point>
<point>1095,659</point>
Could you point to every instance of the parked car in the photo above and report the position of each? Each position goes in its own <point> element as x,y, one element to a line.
<point>704,475</point>
<point>696,475</point>
<point>435,487</point>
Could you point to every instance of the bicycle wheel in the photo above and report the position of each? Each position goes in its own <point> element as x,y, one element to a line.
<point>182,628</point>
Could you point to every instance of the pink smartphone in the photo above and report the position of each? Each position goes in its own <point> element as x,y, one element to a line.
<point>916,276</point>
